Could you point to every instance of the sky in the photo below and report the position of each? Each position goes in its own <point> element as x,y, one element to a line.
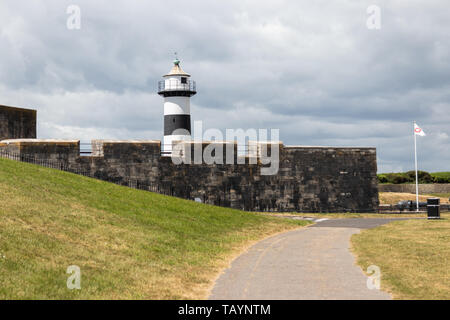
<point>312,69</point>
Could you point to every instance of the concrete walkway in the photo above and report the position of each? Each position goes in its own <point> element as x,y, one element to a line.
<point>309,263</point>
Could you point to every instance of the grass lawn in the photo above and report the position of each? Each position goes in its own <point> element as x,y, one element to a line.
<point>441,195</point>
<point>129,244</point>
<point>413,255</point>
<point>385,198</point>
<point>395,197</point>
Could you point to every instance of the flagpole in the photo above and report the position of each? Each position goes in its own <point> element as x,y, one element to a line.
<point>417,174</point>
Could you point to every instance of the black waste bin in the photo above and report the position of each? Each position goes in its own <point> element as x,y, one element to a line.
<point>434,208</point>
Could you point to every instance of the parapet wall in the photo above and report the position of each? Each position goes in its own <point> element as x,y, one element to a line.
<point>16,123</point>
<point>309,179</point>
<point>66,151</point>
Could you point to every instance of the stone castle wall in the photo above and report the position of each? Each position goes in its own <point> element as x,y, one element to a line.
<point>16,123</point>
<point>309,179</point>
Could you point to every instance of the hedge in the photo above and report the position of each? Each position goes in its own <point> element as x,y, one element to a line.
<point>410,177</point>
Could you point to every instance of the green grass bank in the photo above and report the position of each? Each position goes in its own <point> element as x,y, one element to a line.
<point>129,244</point>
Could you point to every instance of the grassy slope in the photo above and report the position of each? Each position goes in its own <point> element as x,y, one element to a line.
<point>128,243</point>
<point>414,257</point>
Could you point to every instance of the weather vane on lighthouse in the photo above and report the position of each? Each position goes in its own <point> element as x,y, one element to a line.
<point>177,90</point>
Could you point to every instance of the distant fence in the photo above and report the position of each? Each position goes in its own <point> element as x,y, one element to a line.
<point>62,165</point>
<point>411,188</point>
<point>393,208</point>
<point>54,164</point>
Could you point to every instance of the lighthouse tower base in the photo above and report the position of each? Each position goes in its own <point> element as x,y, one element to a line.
<point>166,149</point>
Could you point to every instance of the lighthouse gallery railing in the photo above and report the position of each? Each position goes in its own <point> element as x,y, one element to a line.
<point>177,85</point>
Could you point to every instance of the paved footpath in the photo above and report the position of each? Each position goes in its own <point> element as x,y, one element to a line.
<point>308,263</point>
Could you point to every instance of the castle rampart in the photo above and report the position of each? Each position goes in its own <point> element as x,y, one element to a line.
<point>17,123</point>
<point>309,179</point>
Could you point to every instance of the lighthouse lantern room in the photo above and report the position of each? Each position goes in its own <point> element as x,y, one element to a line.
<point>177,88</point>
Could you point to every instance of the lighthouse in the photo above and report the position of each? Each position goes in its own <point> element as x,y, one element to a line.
<point>177,89</point>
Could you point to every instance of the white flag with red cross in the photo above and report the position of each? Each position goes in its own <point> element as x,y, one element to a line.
<point>418,130</point>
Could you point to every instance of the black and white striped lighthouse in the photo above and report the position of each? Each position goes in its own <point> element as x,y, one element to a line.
<point>177,90</point>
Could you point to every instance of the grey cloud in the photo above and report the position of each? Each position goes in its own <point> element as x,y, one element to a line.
<point>310,68</point>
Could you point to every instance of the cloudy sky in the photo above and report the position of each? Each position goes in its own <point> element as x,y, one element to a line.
<point>312,69</point>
